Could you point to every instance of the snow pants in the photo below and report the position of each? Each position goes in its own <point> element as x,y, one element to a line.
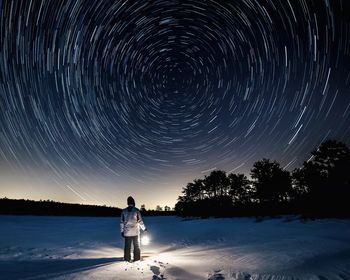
<point>127,248</point>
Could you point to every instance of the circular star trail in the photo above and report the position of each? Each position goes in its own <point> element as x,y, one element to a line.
<point>143,92</point>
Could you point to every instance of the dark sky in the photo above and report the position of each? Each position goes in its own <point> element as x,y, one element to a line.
<point>102,99</point>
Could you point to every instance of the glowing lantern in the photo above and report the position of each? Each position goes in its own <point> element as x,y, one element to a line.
<point>145,240</point>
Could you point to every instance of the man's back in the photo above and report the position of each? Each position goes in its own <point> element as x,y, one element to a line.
<point>131,221</point>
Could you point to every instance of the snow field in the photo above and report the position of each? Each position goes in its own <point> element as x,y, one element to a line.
<point>216,249</point>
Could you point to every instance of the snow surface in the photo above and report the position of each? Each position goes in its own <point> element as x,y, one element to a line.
<point>230,248</point>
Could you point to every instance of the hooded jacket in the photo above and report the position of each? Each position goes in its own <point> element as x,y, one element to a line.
<point>131,221</point>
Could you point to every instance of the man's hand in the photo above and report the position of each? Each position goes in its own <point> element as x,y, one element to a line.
<point>122,234</point>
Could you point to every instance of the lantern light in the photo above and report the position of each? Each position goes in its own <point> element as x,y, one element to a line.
<point>145,240</point>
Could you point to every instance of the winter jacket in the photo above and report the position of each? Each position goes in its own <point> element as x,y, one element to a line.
<point>131,221</point>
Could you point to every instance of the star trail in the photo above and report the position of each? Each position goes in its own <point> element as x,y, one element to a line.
<point>102,99</point>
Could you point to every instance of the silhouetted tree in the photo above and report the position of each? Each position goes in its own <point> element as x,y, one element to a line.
<point>271,182</point>
<point>216,184</point>
<point>193,191</point>
<point>299,185</point>
<point>239,188</point>
<point>324,180</point>
<point>180,206</point>
<point>306,179</point>
<point>332,159</point>
<point>199,187</point>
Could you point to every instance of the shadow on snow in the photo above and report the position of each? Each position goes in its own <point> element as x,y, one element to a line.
<point>42,269</point>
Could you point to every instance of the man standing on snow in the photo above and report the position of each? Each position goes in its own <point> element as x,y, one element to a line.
<point>130,224</point>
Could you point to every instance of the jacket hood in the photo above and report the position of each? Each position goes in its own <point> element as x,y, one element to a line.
<point>131,201</point>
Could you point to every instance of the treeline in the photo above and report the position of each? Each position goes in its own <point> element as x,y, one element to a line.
<point>157,212</point>
<point>53,208</point>
<point>319,188</point>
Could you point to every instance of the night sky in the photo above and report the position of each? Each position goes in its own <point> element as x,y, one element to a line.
<point>104,99</point>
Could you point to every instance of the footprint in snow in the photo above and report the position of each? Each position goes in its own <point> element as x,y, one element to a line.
<point>156,272</point>
<point>242,276</point>
<point>216,276</point>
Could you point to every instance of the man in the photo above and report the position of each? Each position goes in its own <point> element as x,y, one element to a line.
<point>130,224</point>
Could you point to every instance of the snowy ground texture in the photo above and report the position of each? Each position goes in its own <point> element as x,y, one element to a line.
<point>215,249</point>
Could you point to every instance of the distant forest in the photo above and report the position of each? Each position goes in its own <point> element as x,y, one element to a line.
<point>53,208</point>
<point>319,188</point>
